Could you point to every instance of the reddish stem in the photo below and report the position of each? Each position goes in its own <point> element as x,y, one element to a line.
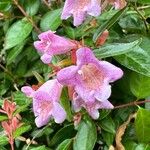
<point>132,104</point>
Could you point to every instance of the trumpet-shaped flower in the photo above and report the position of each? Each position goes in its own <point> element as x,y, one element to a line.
<point>51,44</point>
<point>80,8</point>
<point>46,102</point>
<point>90,77</point>
<point>91,107</point>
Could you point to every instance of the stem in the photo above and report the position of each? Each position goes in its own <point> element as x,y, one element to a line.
<point>8,72</point>
<point>26,15</point>
<point>132,104</point>
<point>47,4</point>
<point>12,146</point>
<point>142,17</point>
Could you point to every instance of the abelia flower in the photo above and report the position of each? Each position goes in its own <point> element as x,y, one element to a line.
<point>51,44</point>
<point>79,9</point>
<point>46,102</point>
<point>91,107</point>
<point>90,77</point>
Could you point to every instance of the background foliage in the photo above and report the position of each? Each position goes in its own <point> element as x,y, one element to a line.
<point>128,46</point>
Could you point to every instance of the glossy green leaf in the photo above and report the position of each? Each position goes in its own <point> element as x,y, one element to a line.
<point>107,124</point>
<point>65,145</point>
<point>108,137</point>
<point>65,102</point>
<point>3,117</point>
<point>32,6</point>
<point>86,136</point>
<point>140,85</point>
<point>66,132</point>
<point>108,24</point>
<point>142,147</point>
<point>144,1</point>
<point>40,148</point>
<point>13,53</point>
<point>17,33</point>
<point>19,131</point>
<point>115,49</point>
<point>20,98</point>
<point>5,5</point>
<point>130,145</point>
<point>3,139</point>
<point>142,125</point>
<point>51,20</point>
<point>137,60</point>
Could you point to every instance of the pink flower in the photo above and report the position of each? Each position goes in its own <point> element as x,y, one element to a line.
<point>91,107</point>
<point>79,9</point>
<point>51,44</point>
<point>46,102</point>
<point>90,78</point>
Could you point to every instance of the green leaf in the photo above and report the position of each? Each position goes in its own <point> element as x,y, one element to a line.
<point>19,131</point>
<point>51,20</point>
<point>13,53</point>
<point>20,98</point>
<point>115,49</point>
<point>142,125</point>
<point>65,145</point>
<point>38,77</point>
<point>108,24</point>
<point>144,1</point>
<point>66,132</point>
<point>137,60</point>
<point>108,137</point>
<point>107,124</point>
<point>86,136</point>
<point>3,139</point>
<point>129,145</point>
<point>39,148</point>
<point>17,33</point>
<point>3,117</point>
<point>140,85</point>
<point>142,147</point>
<point>21,68</point>
<point>5,5</point>
<point>65,102</point>
<point>32,6</point>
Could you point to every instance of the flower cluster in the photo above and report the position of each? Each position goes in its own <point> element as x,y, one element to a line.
<point>89,78</point>
<point>80,8</point>
<point>12,121</point>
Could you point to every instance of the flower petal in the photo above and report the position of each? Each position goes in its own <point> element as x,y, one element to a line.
<point>66,13</point>
<point>50,90</point>
<point>78,17</point>
<point>58,113</point>
<point>94,113</point>
<point>46,58</point>
<point>103,93</point>
<point>105,105</point>
<point>112,73</point>
<point>41,121</point>
<point>94,8</point>
<point>67,76</point>
<point>28,91</point>
<point>84,56</point>
<point>40,46</point>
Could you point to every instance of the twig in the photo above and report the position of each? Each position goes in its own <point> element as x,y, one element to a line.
<point>142,17</point>
<point>47,4</point>
<point>143,7</point>
<point>26,15</point>
<point>8,72</point>
<point>132,104</point>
